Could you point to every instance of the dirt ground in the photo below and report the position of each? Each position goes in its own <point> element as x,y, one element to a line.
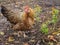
<point>33,37</point>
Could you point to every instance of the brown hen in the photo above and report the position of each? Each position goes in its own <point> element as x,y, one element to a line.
<point>20,21</point>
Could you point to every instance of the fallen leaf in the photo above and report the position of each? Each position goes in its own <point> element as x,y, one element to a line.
<point>54,33</point>
<point>51,37</point>
<point>10,39</point>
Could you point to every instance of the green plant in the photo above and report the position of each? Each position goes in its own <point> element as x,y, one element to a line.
<point>54,19</point>
<point>55,13</point>
<point>38,19</point>
<point>37,10</point>
<point>44,28</point>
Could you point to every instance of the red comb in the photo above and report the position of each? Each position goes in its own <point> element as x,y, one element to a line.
<point>26,7</point>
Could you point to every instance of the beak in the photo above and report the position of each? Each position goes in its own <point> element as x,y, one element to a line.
<point>28,11</point>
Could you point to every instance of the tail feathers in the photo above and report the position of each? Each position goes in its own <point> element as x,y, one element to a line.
<point>4,10</point>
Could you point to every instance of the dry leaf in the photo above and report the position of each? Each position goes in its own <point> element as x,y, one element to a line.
<point>51,37</point>
<point>10,39</point>
<point>54,33</point>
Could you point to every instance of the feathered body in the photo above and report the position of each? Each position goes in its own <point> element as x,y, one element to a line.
<point>20,21</point>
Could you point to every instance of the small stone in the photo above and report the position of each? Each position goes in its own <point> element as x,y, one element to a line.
<point>12,44</point>
<point>25,35</point>
<point>32,40</point>
<point>16,5</point>
<point>20,33</point>
<point>25,44</point>
<point>58,34</point>
<point>1,33</point>
<point>6,43</point>
<point>15,33</point>
<point>16,41</point>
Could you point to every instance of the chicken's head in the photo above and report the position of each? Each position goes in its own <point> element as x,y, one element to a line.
<point>26,9</point>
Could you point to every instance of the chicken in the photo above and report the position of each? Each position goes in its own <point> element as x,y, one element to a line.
<point>19,21</point>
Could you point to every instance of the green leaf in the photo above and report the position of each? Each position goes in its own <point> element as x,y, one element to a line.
<point>37,19</point>
<point>44,28</point>
<point>54,19</point>
<point>37,9</point>
<point>55,11</point>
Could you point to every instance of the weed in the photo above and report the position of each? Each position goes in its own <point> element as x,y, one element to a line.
<point>37,10</point>
<point>55,13</point>
<point>44,28</point>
